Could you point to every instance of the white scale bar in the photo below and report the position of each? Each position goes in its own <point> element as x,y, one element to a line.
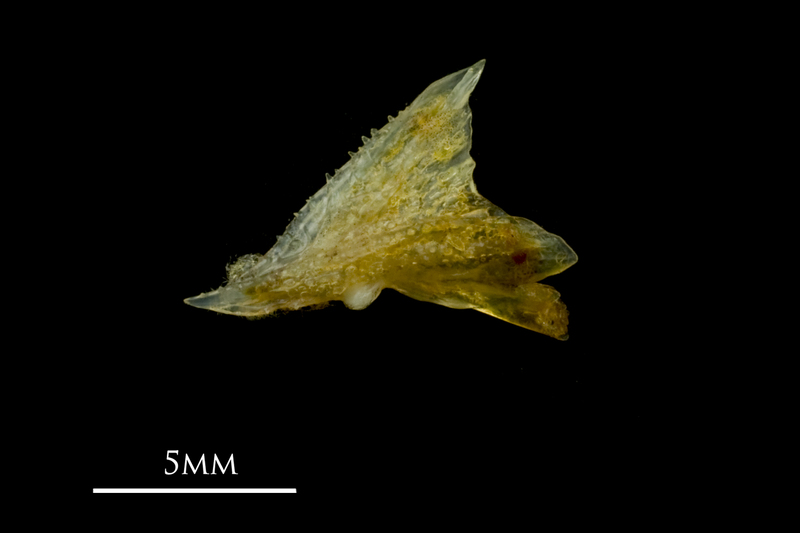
<point>192,491</point>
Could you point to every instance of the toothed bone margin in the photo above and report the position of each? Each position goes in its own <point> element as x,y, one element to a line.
<point>404,213</point>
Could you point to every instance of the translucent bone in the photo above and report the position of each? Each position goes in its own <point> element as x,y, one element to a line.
<point>404,214</point>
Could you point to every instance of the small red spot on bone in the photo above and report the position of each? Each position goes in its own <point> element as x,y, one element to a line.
<point>519,257</point>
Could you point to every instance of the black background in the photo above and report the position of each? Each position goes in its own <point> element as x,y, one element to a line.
<point>208,139</point>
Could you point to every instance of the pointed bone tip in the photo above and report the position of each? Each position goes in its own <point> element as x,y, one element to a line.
<point>466,84</point>
<point>194,301</point>
<point>474,71</point>
<point>206,300</point>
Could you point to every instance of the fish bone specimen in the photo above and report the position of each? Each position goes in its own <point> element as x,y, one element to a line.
<point>404,214</point>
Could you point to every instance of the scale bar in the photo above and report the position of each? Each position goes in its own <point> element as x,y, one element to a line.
<point>192,491</point>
